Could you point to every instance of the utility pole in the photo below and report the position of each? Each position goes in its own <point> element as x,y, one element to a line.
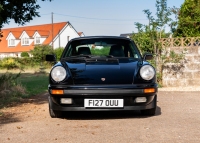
<point>52,28</point>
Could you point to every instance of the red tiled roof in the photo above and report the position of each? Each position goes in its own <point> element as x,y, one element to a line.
<point>44,30</point>
<point>30,32</point>
<point>44,33</point>
<point>17,34</point>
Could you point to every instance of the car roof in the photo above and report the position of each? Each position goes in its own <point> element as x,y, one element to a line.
<point>94,37</point>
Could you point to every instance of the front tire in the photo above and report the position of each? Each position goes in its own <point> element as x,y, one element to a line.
<point>55,113</point>
<point>150,112</point>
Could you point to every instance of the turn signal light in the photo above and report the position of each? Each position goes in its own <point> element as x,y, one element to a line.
<point>55,91</point>
<point>149,90</point>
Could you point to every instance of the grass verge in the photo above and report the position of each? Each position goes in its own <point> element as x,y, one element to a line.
<point>28,84</point>
<point>34,83</point>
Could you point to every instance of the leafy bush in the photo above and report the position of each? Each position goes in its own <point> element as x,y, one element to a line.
<point>40,51</point>
<point>24,54</point>
<point>8,80</point>
<point>10,89</point>
<point>58,52</point>
<point>10,63</point>
<point>26,61</point>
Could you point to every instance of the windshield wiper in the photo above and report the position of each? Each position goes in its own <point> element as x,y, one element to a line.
<point>109,56</point>
<point>78,56</point>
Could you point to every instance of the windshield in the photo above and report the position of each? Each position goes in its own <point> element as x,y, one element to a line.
<point>102,47</point>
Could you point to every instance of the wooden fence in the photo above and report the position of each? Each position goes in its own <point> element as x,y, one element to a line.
<point>180,42</point>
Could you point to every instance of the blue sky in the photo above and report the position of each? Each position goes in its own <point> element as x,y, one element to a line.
<point>97,17</point>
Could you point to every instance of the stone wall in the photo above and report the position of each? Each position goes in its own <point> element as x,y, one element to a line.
<point>186,73</point>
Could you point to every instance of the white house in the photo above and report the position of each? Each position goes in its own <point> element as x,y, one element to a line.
<point>23,39</point>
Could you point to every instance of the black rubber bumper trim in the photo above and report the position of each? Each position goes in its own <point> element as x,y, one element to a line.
<point>139,107</point>
<point>104,91</point>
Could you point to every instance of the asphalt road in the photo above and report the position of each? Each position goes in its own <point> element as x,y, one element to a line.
<point>177,120</point>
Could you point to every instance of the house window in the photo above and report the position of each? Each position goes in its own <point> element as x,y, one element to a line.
<point>37,40</point>
<point>11,42</point>
<point>25,41</point>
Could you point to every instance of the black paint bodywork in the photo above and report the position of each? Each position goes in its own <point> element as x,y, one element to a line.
<point>84,80</point>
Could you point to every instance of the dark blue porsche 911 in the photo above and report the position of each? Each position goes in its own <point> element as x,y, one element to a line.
<point>102,73</point>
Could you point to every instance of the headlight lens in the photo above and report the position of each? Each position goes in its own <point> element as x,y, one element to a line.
<point>147,72</point>
<point>58,73</point>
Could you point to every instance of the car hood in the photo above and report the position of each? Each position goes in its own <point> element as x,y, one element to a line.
<point>103,71</point>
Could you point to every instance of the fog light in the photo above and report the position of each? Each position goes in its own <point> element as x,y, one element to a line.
<point>141,99</point>
<point>66,101</point>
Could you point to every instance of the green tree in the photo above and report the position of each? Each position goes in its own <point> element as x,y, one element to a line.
<point>174,23</point>
<point>21,11</point>
<point>143,38</point>
<point>40,51</point>
<point>148,36</point>
<point>189,19</point>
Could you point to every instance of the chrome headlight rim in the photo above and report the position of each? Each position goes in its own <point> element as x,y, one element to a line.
<point>147,72</point>
<point>58,74</point>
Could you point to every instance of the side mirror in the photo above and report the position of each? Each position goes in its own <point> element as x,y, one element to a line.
<point>147,56</point>
<point>51,58</point>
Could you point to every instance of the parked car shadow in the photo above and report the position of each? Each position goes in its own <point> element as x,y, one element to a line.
<point>103,115</point>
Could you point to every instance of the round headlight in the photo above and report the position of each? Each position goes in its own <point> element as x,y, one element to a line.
<point>147,72</point>
<point>58,73</point>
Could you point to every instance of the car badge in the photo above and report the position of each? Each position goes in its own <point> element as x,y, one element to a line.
<point>103,79</point>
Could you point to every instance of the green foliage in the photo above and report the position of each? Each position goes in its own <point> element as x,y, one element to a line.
<point>40,51</point>
<point>172,57</point>
<point>8,80</point>
<point>10,63</point>
<point>143,40</point>
<point>58,52</point>
<point>10,89</point>
<point>13,87</point>
<point>21,63</point>
<point>24,54</point>
<point>148,37</point>
<point>20,11</point>
<point>189,19</point>
<point>162,14</point>
<point>174,23</point>
<point>159,79</point>
<point>100,52</point>
<point>26,61</point>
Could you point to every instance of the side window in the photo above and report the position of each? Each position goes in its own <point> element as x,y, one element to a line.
<point>68,52</point>
<point>132,51</point>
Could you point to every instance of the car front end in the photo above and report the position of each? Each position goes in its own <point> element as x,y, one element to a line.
<point>92,82</point>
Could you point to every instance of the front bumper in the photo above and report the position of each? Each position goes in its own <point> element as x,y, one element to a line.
<point>126,92</point>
